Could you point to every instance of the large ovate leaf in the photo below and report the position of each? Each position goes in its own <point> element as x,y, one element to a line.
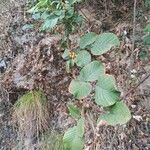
<point>147,40</point>
<point>45,15</point>
<point>80,89</point>
<point>73,138</point>
<point>27,27</point>
<point>106,93</point>
<point>69,139</point>
<point>147,28</point>
<point>104,43</point>
<point>36,16</point>
<point>83,58</point>
<point>147,3</point>
<point>39,6</point>
<point>87,39</point>
<point>49,23</point>
<point>74,111</point>
<point>92,71</point>
<point>144,54</point>
<point>119,114</point>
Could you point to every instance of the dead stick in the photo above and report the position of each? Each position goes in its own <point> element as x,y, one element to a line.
<point>131,90</point>
<point>133,36</point>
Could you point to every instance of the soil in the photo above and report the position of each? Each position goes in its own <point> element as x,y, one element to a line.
<point>41,66</point>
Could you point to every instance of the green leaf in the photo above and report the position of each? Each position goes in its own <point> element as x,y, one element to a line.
<point>68,138</point>
<point>49,23</point>
<point>106,93</point>
<point>73,138</point>
<point>83,58</point>
<point>147,3</point>
<point>80,127</point>
<point>87,39</point>
<point>80,89</point>
<point>147,40</point>
<point>147,28</point>
<point>45,15</point>
<point>65,55</point>
<point>92,71</point>
<point>33,9</point>
<point>71,2</point>
<point>39,6</point>
<point>119,114</point>
<point>144,54</point>
<point>27,27</point>
<point>104,43</point>
<point>74,111</point>
<point>36,16</point>
<point>69,13</point>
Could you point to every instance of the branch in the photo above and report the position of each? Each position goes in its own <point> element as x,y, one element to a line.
<point>131,90</point>
<point>133,36</point>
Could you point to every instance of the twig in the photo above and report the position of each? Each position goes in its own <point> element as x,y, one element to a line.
<point>94,130</point>
<point>88,20</point>
<point>134,23</point>
<point>131,90</point>
<point>90,122</point>
<point>146,95</point>
<point>133,37</point>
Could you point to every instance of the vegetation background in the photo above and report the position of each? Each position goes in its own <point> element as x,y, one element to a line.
<point>30,58</point>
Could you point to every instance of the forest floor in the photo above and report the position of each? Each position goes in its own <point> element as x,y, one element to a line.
<point>20,53</point>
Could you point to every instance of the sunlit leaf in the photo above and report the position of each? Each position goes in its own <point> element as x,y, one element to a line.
<point>106,93</point>
<point>73,138</point>
<point>45,15</point>
<point>119,114</point>
<point>80,89</point>
<point>27,27</point>
<point>74,111</point>
<point>87,39</point>
<point>36,16</point>
<point>104,43</point>
<point>49,23</point>
<point>83,58</point>
<point>92,71</point>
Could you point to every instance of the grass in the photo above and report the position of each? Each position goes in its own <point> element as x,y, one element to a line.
<point>31,116</point>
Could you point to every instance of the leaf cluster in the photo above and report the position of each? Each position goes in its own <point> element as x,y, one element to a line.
<point>106,93</point>
<point>56,12</point>
<point>146,40</point>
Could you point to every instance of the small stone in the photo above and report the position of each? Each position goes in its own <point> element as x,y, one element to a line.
<point>138,118</point>
<point>1,115</point>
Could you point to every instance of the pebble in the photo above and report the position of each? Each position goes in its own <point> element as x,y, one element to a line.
<point>3,65</point>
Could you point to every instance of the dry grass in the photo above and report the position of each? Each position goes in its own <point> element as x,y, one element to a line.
<point>31,116</point>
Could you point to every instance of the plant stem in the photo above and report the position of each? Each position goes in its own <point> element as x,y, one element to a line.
<point>133,37</point>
